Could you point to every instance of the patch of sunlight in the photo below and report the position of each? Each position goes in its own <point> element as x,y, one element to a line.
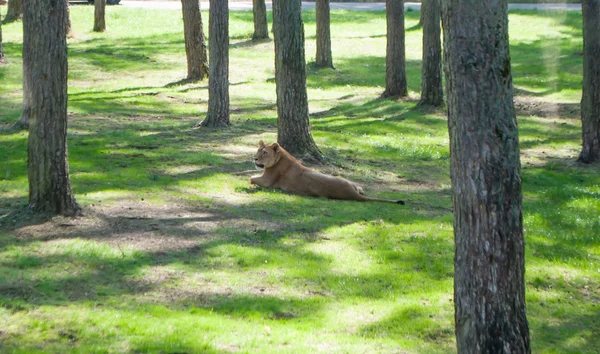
<point>108,195</point>
<point>13,137</point>
<point>345,258</point>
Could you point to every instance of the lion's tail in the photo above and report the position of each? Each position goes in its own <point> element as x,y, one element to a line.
<point>371,199</point>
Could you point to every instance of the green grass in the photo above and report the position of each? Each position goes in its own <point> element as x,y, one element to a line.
<point>178,253</point>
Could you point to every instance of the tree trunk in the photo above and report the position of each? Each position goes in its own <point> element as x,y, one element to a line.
<point>45,68</point>
<point>2,58</point>
<point>99,18</point>
<point>432,92</point>
<point>261,28</point>
<point>293,126</point>
<point>195,41</point>
<point>489,290</point>
<point>324,59</point>
<point>590,101</point>
<point>218,78</point>
<point>395,61</point>
<point>14,11</point>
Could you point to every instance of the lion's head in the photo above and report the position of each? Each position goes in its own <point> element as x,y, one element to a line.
<point>267,155</point>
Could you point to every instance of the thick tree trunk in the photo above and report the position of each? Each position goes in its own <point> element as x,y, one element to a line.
<point>218,78</point>
<point>324,59</point>
<point>395,60</point>
<point>261,29</point>
<point>590,101</point>
<point>195,41</point>
<point>293,126</point>
<point>15,11</point>
<point>99,18</point>
<point>432,92</point>
<point>45,68</point>
<point>489,267</point>
<point>2,58</point>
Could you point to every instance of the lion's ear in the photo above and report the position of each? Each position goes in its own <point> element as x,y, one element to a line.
<point>275,146</point>
<point>261,143</point>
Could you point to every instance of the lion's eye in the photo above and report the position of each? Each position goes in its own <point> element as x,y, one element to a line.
<point>264,152</point>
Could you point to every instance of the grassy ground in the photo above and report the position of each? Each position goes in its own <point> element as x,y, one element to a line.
<point>177,253</point>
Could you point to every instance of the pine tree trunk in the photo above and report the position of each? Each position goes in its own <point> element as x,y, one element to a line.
<point>14,11</point>
<point>99,18</point>
<point>489,266</point>
<point>45,66</point>
<point>432,92</point>
<point>261,28</point>
<point>195,41</point>
<point>395,61</point>
<point>324,59</point>
<point>590,101</point>
<point>218,78</point>
<point>2,58</point>
<point>293,126</point>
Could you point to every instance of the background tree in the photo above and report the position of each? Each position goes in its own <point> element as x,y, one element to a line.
<point>324,59</point>
<point>489,267</point>
<point>45,71</point>
<point>432,92</point>
<point>2,58</point>
<point>590,101</point>
<point>218,78</point>
<point>395,60</point>
<point>261,29</point>
<point>99,15</point>
<point>293,126</point>
<point>14,11</point>
<point>195,41</point>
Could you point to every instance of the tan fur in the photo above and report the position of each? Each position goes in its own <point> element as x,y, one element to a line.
<point>283,171</point>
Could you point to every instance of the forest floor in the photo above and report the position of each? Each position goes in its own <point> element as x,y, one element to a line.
<point>177,252</point>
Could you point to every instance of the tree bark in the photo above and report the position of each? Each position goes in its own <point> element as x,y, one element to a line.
<point>395,61</point>
<point>324,59</point>
<point>99,18</point>
<point>489,267</point>
<point>293,126</point>
<point>45,69</point>
<point>218,78</point>
<point>2,58</point>
<point>590,100</point>
<point>432,92</point>
<point>195,41</point>
<point>261,28</point>
<point>14,11</point>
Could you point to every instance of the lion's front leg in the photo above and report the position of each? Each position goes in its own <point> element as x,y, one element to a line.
<point>260,181</point>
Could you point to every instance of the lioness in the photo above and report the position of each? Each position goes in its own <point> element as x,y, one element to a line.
<point>283,171</point>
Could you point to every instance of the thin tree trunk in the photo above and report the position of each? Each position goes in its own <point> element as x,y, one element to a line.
<point>489,266</point>
<point>218,78</point>
<point>2,58</point>
<point>590,101</point>
<point>395,61</point>
<point>293,126</point>
<point>261,28</point>
<point>99,15</point>
<point>432,92</point>
<point>45,68</point>
<point>14,11</point>
<point>195,41</point>
<point>324,59</point>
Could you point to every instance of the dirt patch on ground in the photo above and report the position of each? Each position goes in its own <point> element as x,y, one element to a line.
<point>533,106</point>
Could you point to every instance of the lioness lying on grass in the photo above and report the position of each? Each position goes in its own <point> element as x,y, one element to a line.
<point>283,171</point>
